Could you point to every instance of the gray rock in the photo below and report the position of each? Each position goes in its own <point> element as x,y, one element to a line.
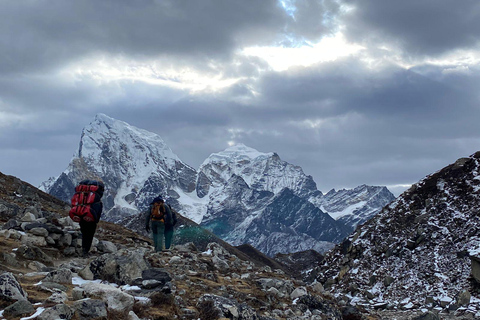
<point>220,264</point>
<point>130,267</point>
<point>187,247</point>
<point>388,281</point>
<point>52,287</point>
<point>157,274</point>
<point>90,309</point>
<point>298,292</point>
<point>122,268</point>
<point>19,308</point>
<point>50,241</point>
<point>106,247</point>
<point>69,251</point>
<point>275,292</point>
<point>463,298</point>
<point>78,294</point>
<point>427,316</point>
<point>318,287</point>
<point>10,289</point>
<point>217,250</point>
<point>41,232</point>
<point>32,240</point>
<point>326,307</point>
<point>28,217</point>
<point>10,259</point>
<point>227,308</point>
<point>34,253</point>
<point>65,240</point>
<point>60,276</point>
<point>59,311</point>
<point>132,316</point>
<point>74,266</point>
<point>57,298</point>
<point>175,260</point>
<point>86,273</point>
<point>116,299</point>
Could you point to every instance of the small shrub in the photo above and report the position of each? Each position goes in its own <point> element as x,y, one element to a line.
<point>208,311</point>
<point>161,299</point>
<point>115,315</point>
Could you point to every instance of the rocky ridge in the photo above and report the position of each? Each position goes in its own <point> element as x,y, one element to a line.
<point>417,253</point>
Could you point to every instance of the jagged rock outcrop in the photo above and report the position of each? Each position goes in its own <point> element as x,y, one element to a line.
<point>416,253</point>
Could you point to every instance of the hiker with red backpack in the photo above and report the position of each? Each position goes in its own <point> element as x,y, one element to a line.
<point>161,218</point>
<point>86,209</point>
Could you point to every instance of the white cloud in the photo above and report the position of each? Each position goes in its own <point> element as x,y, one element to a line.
<point>328,49</point>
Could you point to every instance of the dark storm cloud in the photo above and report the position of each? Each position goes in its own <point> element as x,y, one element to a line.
<point>344,124</point>
<point>43,34</point>
<point>428,27</point>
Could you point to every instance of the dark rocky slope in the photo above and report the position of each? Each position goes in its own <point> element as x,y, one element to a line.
<point>415,253</point>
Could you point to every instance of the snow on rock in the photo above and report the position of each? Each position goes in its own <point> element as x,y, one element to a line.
<point>417,252</point>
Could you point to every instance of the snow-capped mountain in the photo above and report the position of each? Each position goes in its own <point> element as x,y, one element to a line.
<point>259,199</point>
<point>416,252</point>
<point>136,165</point>
<point>354,206</point>
<point>232,193</point>
<point>260,171</point>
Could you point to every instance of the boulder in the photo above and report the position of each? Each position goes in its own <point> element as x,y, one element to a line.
<point>157,274</point>
<point>19,308</point>
<point>90,309</point>
<point>115,299</point>
<point>34,253</point>
<point>10,289</point>
<point>106,247</point>
<point>210,306</point>
<point>52,287</point>
<point>32,240</point>
<point>78,294</point>
<point>427,316</point>
<point>298,292</point>
<point>60,276</point>
<point>59,311</point>
<point>57,298</point>
<point>122,268</point>
<point>39,231</point>
<point>463,298</point>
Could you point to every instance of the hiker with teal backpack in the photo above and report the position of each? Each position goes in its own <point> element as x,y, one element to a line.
<point>160,219</point>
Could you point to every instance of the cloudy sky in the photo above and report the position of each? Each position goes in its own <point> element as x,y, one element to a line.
<point>355,92</point>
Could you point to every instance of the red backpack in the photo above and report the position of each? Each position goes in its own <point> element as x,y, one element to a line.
<point>86,204</point>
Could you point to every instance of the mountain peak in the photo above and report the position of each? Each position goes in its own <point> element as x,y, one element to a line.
<point>243,150</point>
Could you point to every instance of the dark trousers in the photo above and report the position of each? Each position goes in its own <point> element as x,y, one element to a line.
<point>159,231</point>
<point>88,231</point>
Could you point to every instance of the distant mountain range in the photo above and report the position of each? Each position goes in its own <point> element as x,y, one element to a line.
<point>241,194</point>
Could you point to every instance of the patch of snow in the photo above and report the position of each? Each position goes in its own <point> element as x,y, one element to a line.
<point>207,253</point>
<point>36,314</point>
<point>78,281</point>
